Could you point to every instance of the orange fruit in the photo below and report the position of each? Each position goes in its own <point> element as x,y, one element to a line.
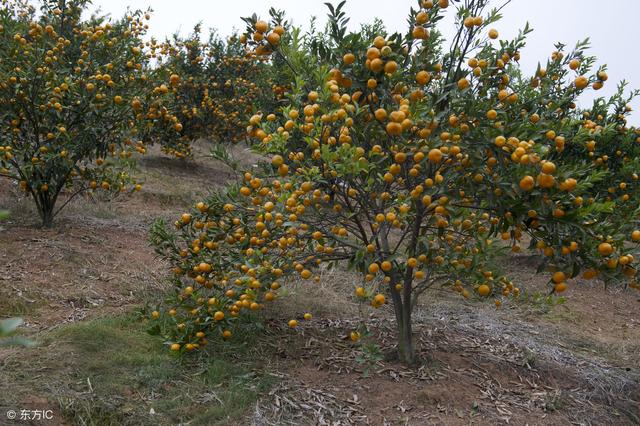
<point>390,67</point>
<point>560,287</point>
<point>380,114</point>
<point>349,58</point>
<point>590,274</point>
<point>435,155</point>
<point>546,181</point>
<point>273,38</point>
<point>548,167</point>
<point>379,299</point>
<point>484,290</point>
<point>419,32</point>
<point>527,183</point>
<point>262,26</point>
<point>558,277</point>
<point>293,323</point>
<point>605,249</point>
<point>581,82</point>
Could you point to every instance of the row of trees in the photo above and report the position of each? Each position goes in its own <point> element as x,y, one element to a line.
<point>79,97</point>
<point>414,162</point>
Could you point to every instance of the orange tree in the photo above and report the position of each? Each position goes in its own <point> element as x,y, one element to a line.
<point>70,90</point>
<point>410,161</point>
<point>211,89</point>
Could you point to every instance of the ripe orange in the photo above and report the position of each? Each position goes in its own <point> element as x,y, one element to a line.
<point>581,82</point>
<point>262,26</point>
<point>569,184</point>
<point>419,32</point>
<point>378,300</point>
<point>558,277</point>
<point>380,114</point>
<point>463,83</point>
<point>273,38</point>
<point>376,65</point>
<point>548,167</point>
<point>349,58</point>
<point>293,323</point>
<point>386,266</point>
<point>435,155</point>
<point>560,287</point>
<point>605,249</point>
<point>484,290</point>
<point>493,34</point>
<point>546,181</point>
<point>527,183</point>
<point>590,274</point>
<point>635,236</point>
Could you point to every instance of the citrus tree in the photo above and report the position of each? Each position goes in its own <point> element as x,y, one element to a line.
<point>415,162</point>
<point>72,92</point>
<point>211,88</point>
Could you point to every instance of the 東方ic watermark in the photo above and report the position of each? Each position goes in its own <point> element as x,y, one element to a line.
<point>30,415</point>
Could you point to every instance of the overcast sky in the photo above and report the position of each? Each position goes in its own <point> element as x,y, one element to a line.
<point>611,25</point>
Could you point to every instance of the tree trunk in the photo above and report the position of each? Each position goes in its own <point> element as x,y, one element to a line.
<point>45,208</point>
<point>406,351</point>
<point>47,217</point>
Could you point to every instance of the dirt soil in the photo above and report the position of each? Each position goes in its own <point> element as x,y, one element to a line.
<point>525,363</point>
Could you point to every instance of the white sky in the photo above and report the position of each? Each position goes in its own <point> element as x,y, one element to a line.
<point>611,25</point>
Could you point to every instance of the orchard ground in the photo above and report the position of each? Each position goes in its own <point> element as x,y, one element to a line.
<point>81,287</point>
